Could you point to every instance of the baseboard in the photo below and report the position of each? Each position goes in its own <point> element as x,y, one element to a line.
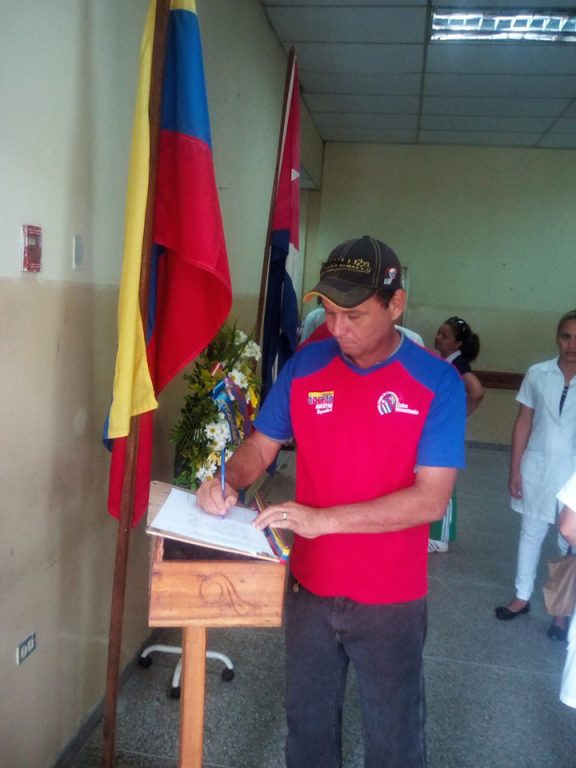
<point>73,747</point>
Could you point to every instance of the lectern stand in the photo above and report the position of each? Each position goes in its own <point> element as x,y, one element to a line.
<point>205,589</point>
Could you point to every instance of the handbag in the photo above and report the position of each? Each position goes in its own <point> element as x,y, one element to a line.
<point>560,589</point>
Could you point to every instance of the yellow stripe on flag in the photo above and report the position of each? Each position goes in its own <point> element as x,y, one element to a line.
<point>183,5</point>
<point>133,392</point>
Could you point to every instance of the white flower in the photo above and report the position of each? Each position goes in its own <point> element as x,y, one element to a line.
<point>251,350</point>
<point>203,473</point>
<point>240,337</point>
<point>239,378</point>
<point>218,432</point>
<point>213,429</point>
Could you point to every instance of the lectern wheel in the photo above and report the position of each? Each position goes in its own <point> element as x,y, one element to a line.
<point>145,662</point>
<point>174,692</point>
<point>227,675</point>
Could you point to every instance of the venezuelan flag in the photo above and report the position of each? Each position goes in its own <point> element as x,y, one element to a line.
<point>190,292</point>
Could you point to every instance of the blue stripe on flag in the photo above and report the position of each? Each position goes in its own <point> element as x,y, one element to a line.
<point>185,109</point>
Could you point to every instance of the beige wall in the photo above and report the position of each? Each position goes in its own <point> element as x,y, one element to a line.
<point>486,233</point>
<point>67,90</point>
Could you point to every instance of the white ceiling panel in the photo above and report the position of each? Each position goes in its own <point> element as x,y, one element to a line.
<point>354,120</point>
<point>558,141</point>
<point>355,57</point>
<point>360,83</point>
<point>365,25</point>
<point>358,4</point>
<point>362,103</point>
<point>564,125</point>
<point>505,86</point>
<point>369,73</point>
<point>523,4</point>
<point>517,107</point>
<point>372,136</point>
<point>483,123</point>
<point>502,58</point>
<point>477,139</point>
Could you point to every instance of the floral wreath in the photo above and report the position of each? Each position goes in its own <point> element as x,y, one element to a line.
<point>220,406</point>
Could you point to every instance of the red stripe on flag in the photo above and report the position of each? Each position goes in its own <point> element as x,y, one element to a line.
<point>193,291</point>
<point>143,463</point>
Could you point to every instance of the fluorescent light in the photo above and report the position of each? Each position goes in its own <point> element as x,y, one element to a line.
<point>506,24</point>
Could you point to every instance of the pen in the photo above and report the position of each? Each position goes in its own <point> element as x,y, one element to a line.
<point>223,473</point>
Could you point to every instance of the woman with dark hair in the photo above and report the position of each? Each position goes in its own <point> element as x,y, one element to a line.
<point>543,457</point>
<point>459,345</point>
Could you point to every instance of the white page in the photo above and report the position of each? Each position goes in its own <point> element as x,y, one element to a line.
<point>183,518</point>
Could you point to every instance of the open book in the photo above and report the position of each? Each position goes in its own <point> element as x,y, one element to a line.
<point>181,518</point>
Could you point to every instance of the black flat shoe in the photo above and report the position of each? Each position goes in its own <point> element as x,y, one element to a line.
<point>557,633</point>
<point>505,614</point>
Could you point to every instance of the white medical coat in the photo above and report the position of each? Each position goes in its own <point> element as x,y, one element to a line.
<point>567,496</point>
<point>550,456</point>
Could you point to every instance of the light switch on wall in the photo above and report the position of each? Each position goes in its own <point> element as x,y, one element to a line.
<point>78,253</point>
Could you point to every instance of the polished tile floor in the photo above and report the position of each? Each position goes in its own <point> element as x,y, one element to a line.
<point>492,687</point>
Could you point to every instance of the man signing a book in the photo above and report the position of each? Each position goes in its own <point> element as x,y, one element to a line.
<point>378,425</point>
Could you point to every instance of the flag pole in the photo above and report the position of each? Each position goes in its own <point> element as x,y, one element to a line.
<point>129,480</point>
<point>266,260</point>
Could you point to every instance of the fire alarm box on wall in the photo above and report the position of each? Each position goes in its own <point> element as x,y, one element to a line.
<point>32,237</point>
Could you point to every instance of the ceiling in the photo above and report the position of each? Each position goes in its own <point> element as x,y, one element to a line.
<point>368,73</point>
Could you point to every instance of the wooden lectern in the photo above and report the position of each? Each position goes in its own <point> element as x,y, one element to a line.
<point>207,589</point>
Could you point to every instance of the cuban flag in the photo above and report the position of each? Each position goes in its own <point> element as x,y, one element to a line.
<point>280,328</point>
<point>189,293</point>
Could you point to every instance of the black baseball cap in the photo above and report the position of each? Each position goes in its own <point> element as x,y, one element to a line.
<point>355,270</point>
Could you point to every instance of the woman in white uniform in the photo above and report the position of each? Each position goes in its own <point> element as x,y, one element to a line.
<point>567,525</point>
<point>543,457</point>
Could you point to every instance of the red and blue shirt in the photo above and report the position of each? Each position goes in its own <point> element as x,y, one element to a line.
<point>360,434</point>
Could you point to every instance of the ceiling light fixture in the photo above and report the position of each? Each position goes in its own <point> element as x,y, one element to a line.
<point>506,24</point>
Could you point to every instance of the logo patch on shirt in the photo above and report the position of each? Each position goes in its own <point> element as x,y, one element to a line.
<point>323,402</point>
<point>389,402</point>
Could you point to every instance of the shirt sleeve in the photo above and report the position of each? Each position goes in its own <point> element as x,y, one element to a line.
<point>273,418</point>
<point>525,394</point>
<point>442,440</point>
<point>567,494</point>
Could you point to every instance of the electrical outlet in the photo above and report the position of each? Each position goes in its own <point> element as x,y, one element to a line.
<point>25,648</point>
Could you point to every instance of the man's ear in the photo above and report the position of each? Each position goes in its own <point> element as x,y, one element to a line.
<point>398,303</point>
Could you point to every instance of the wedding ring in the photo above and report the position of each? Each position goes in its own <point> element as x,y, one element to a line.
<point>284,516</point>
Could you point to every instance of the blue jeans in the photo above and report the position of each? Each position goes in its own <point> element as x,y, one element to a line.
<point>384,642</point>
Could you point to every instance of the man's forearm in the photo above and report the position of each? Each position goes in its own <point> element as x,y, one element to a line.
<point>249,461</point>
<point>422,503</point>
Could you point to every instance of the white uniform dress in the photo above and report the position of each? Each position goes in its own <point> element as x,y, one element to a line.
<point>550,456</point>
<point>567,497</point>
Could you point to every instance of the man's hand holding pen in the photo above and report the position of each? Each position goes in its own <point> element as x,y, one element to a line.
<point>216,496</point>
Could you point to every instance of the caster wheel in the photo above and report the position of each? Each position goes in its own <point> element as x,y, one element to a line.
<point>227,675</point>
<point>174,693</point>
<point>145,662</point>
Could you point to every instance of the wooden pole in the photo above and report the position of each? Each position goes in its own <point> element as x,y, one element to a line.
<point>266,260</point>
<point>129,482</point>
<point>192,697</point>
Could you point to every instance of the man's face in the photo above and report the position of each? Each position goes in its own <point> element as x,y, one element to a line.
<point>365,333</point>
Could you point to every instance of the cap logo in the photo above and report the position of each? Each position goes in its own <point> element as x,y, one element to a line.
<point>390,275</point>
<point>354,265</point>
